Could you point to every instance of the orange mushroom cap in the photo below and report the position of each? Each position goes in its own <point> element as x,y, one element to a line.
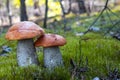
<point>49,40</point>
<point>24,30</point>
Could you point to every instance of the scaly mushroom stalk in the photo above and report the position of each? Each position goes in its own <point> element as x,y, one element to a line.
<point>26,54</point>
<point>52,57</point>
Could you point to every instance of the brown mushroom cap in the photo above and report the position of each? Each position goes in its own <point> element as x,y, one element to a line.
<point>24,30</point>
<point>50,40</point>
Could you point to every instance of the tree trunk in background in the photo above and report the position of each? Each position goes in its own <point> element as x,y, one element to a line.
<point>81,5</point>
<point>36,4</point>
<point>78,1</point>
<point>65,13</point>
<point>64,10</point>
<point>37,11</point>
<point>69,7</point>
<point>46,13</point>
<point>87,7</point>
<point>23,13</point>
<point>9,13</point>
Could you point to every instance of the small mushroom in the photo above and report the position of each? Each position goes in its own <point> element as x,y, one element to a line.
<point>52,54</point>
<point>24,32</point>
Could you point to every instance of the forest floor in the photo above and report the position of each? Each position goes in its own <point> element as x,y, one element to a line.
<point>93,55</point>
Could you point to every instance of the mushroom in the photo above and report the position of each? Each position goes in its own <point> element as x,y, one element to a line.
<point>52,54</point>
<point>24,32</point>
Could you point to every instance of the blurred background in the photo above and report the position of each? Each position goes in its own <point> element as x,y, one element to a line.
<point>10,9</point>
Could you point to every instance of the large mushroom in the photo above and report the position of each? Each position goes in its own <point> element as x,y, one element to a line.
<point>52,54</point>
<point>24,32</point>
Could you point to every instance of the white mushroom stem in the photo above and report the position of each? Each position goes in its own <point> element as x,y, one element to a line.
<point>26,53</point>
<point>52,57</point>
